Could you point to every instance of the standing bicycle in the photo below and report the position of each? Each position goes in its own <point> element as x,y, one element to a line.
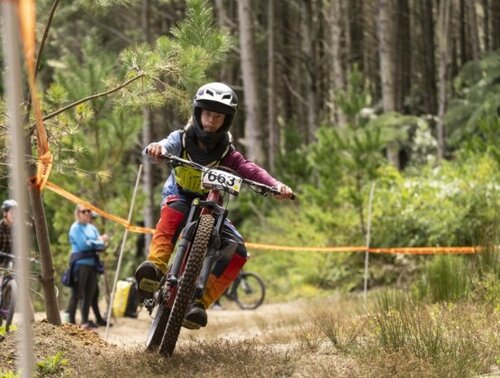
<point>9,290</point>
<point>248,291</point>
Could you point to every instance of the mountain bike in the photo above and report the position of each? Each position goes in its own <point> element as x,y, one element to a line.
<point>198,249</point>
<point>8,293</point>
<point>247,291</point>
<point>9,290</point>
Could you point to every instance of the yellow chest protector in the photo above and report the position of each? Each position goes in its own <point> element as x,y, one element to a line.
<point>189,179</point>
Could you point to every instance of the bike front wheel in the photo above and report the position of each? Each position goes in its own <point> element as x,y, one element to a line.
<point>250,292</point>
<point>187,284</point>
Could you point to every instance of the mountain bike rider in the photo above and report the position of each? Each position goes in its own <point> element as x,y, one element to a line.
<point>205,140</point>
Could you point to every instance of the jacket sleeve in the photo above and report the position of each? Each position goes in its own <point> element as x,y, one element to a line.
<point>172,145</point>
<point>248,169</point>
<point>97,243</point>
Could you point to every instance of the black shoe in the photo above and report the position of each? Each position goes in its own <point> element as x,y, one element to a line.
<point>148,278</point>
<point>102,322</point>
<point>91,324</point>
<point>196,317</point>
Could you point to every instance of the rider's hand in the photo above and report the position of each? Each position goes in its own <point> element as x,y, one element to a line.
<point>156,150</point>
<point>286,192</point>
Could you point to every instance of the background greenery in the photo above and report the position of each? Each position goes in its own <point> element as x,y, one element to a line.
<point>94,46</point>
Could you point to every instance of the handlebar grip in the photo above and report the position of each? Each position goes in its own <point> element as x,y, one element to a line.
<point>276,193</point>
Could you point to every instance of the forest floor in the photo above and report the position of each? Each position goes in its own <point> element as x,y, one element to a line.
<point>294,339</point>
<point>234,342</point>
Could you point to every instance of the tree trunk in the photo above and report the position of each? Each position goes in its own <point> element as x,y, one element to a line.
<point>495,24</point>
<point>427,56</point>
<point>253,133</point>
<point>443,37</point>
<point>222,18</point>
<point>273,143</point>
<point>355,17</point>
<point>486,25</point>
<point>47,278</point>
<point>473,32</point>
<point>371,47</point>
<point>387,71</point>
<point>147,182</point>
<point>465,54</point>
<point>308,65</point>
<point>338,117</point>
<point>224,22</point>
<point>403,55</point>
<point>47,267</point>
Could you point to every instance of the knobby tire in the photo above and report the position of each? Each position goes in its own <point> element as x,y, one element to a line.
<point>187,284</point>
<point>250,292</point>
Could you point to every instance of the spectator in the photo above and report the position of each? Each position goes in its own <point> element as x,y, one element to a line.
<point>86,243</point>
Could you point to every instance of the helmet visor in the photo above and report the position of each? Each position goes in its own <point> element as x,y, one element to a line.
<point>214,106</point>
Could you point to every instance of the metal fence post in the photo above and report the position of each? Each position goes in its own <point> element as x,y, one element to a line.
<point>368,231</point>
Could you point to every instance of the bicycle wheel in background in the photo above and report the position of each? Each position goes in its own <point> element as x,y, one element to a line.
<point>250,291</point>
<point>8,303</point>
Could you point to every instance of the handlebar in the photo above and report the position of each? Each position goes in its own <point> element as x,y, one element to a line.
<point>257,186</point>
<point>11,256</point>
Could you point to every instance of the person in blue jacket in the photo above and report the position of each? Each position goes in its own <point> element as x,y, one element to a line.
<point>86,243</point>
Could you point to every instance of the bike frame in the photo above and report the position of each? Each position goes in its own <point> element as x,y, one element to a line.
<point>198,208</point>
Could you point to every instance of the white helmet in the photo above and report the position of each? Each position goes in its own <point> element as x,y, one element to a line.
<point>8,204</point>
<point>216,97</point>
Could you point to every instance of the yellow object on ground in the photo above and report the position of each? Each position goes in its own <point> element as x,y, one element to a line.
<point>121,297</point>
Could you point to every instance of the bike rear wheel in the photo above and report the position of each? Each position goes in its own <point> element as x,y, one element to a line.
<point>8,303</point>
<point>187,284</point>
<point>250,292</point>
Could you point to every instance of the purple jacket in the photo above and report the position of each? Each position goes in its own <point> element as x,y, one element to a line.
<point>247,169</point>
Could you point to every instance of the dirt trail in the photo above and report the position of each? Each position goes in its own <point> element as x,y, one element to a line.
<point>122,354</point>
<point>229,322</point>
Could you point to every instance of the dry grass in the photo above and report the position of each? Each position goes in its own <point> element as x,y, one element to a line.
<point>326,338</point>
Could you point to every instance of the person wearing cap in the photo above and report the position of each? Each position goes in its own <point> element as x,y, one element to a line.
<point>204,140</point>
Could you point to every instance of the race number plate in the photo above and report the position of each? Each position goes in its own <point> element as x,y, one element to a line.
<point>217,179</point>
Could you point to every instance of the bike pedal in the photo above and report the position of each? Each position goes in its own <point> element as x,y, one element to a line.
<point>149,304</point>
<point>148,285</point>
<point>190,325</point>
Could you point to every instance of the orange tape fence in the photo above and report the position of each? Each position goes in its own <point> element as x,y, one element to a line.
<point>401,250</point>
<point>63,193</point>
<point>257,246</point>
